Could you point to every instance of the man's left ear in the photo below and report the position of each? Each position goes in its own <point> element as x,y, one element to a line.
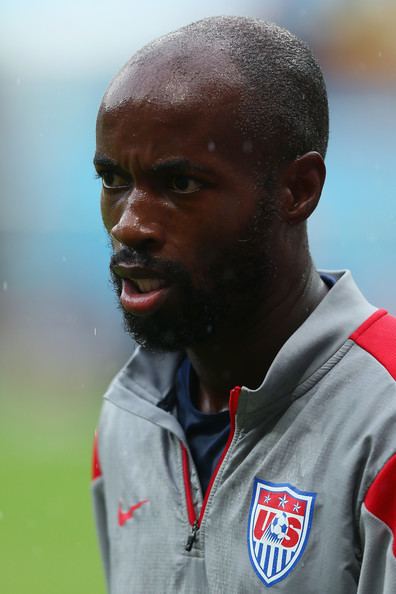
<point>301,186</point>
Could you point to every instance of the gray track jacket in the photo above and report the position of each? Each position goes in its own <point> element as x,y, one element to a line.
<point>303,500</point>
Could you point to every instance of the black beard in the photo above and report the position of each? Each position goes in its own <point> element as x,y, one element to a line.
<point>235,285</point>
<point>166,330</point>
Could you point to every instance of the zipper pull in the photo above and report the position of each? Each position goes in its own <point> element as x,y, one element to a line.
<point>191,539</point>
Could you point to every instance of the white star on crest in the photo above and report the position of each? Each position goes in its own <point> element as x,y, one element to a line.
<point>296,507</point>
<point>267,498</point>
<point>283,501</point>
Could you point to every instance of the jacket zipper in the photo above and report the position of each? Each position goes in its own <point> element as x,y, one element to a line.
<point>194,520</point>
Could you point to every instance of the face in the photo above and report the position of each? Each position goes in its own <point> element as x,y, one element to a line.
<point>192,231</point>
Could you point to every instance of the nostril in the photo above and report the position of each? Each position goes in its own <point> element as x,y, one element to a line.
<point>138,235</point>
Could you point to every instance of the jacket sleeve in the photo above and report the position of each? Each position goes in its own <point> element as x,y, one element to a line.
<point>99,506</point>
<point>378,533</point>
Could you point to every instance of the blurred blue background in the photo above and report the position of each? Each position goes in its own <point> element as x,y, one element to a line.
<point>61,335</point>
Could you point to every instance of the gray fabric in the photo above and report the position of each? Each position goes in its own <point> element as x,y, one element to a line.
<point>323,421</point>
<point>101,523</point>
<point>379,555</point>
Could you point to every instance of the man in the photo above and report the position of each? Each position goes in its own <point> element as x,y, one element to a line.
<point>250,440</point>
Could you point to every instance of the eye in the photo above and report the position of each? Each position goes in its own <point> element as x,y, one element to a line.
<point>113,181</point>
<point>183,184</point>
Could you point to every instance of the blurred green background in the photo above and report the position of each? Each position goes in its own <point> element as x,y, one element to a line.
<point>61,336</point>
<point>47,540</point>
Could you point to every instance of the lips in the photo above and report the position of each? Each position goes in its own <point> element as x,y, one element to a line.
<point>143,290</point>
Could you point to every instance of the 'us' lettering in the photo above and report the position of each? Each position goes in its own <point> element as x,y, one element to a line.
<point>292,534</point>
<point>264,519</point>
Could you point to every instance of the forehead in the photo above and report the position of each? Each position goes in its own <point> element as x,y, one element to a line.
<point>171,101</point>
<point>170,73</point>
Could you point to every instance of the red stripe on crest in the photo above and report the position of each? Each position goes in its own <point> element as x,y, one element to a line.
<point>96,469</point>
<point>381,498</point>
<point>377,336</point>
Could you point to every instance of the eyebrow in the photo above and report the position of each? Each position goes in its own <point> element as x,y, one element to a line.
<point>182,165</point>
<point>177,164</point>
<point>100,160</point>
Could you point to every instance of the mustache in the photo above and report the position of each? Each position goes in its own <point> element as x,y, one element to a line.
<point>172,271</point>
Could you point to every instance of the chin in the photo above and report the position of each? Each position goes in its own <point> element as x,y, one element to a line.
<point>164,333</point>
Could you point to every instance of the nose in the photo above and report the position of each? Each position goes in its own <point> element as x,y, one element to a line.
<point>139,225</point>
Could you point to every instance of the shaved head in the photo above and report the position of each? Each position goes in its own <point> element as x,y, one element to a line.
<point>169,70</point>
<point>280,95</point>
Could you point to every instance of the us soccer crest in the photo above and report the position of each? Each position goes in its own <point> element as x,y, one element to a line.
<point>280,520</point>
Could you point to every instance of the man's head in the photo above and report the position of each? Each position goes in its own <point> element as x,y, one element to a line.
<point>210,145</point>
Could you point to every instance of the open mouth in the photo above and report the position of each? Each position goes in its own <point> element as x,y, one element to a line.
<point>143,296</point>
<point>146,285</point>
<point>142,290</point>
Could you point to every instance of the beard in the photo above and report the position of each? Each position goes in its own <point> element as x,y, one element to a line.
<point>227,291</point>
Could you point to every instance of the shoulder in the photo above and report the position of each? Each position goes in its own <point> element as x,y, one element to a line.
<point>378,512</point>
<point>377,337</point>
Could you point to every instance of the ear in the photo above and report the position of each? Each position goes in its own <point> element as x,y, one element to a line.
<point>301,186</point>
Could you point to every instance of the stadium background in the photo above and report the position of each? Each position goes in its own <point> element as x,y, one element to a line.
<point>61,336</point>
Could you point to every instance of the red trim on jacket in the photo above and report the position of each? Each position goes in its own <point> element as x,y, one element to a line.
<point>380,499</point>
<point>192,516</point>
<point>377,336</point>
<point>233,405</point>
<point>96,468</point>
<point>187,486</point>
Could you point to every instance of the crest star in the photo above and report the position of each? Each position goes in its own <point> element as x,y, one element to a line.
<point>267,498</point>
<point>283,501</point>
<point>296,507</point>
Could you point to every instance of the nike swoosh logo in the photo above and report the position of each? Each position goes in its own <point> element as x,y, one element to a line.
<point>124,516</point>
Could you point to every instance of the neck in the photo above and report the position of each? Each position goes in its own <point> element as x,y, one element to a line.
<point>242,355</point>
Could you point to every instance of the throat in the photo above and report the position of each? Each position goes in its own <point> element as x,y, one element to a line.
<point>244,353</point>
<point>210,385</point>
<point>210,402</point>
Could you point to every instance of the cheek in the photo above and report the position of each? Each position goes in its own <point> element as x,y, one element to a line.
<point>206,254</point>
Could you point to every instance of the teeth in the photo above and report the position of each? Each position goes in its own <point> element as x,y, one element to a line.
<point>145,285</point>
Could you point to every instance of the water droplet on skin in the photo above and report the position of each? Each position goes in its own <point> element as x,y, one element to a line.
<point>94,331</point>
<point>5,286</point>
<point>211,146</point>
<point>380,54</point>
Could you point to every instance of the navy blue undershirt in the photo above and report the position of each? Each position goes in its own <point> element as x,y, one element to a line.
<point>206,434</point>
<point>328,279</point>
